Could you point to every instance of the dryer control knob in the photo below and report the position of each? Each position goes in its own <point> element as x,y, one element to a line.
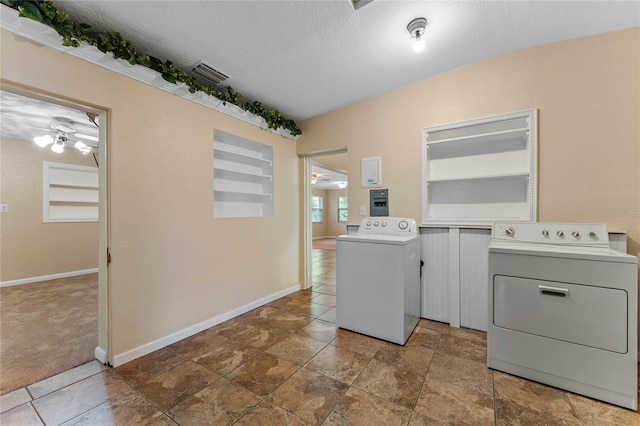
<point>576,235</point>
<point>545,233</point>
<point>384,224</point>
<point>375,223</point>
<point>560,234</point>
<point>510,232</point>
<point>403,224</point>
<point>593,235</point>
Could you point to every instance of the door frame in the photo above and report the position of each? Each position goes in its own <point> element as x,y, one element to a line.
<point>307,234</point>
<point>103,350</point>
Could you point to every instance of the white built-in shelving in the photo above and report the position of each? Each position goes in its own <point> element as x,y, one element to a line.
<point>242,177</point>
<point>70,193</point>
<point>480,171</point>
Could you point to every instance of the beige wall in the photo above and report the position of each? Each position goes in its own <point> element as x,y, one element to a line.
<point>334,228</point>
<point>31,248</point>
<point>330,227</point>
<point>174,264</point>
<point>587,92</point>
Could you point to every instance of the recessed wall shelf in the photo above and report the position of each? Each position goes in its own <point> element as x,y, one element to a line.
<point>242,177</point>
<point>70,193</point>
<point>480,171</point>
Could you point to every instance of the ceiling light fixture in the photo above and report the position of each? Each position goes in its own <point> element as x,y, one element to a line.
<point>63,126</point>
<point>416,29</point>
<point>342,185</point>
<point>314,179</point>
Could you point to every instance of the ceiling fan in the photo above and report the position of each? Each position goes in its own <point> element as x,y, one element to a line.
<point>64,127</point>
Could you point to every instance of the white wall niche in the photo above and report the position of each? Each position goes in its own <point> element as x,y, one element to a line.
<point>242,177</point>
<point>480,171</point>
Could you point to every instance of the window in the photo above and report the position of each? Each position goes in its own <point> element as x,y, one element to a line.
<point>343,209</point>
<point>316,209</point>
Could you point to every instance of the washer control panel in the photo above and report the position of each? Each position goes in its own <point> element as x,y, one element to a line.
<point>388,226</point>
<point>583,234</point>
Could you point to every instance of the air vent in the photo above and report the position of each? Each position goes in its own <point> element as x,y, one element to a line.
<point>209,74</point>
<point>357,4</point>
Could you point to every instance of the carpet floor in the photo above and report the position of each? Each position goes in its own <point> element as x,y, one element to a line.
<point>46,328</point>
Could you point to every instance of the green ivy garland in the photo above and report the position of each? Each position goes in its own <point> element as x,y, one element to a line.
<point>73,34</point>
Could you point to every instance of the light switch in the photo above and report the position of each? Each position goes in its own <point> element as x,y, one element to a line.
<point>4,208</point>
<point>363,210</point>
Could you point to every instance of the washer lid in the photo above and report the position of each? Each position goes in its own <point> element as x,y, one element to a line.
<point>603,254</point>
<point>378,239</point>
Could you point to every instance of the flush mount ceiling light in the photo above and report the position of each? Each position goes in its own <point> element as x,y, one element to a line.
<point>342,185</point>
<point>416,29</point>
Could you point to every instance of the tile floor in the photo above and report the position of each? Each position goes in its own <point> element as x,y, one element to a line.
<point>287,364</point>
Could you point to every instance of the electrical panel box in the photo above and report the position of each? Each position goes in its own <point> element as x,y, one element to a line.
<point>371,172</point>
<point>379,202</point>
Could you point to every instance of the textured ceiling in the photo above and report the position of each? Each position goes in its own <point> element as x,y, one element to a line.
<point>24,118</point>
<point>309,57</point>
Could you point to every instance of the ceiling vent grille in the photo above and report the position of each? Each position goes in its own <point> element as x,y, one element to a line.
<point>357,4</point>
<point>209,74</point>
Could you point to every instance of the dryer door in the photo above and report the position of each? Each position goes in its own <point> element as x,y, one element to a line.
<point>585,315</point>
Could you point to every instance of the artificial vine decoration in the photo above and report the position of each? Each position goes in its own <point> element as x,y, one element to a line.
<point>74,34</point>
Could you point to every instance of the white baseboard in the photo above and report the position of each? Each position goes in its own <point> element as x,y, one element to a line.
<point>101,355</point>
<point>48,277</point>
<point>145,349</point>
<point>328,237</point>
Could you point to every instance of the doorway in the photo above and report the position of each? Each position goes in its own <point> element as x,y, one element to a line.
<point>328,216</point>
<point>53,228</point>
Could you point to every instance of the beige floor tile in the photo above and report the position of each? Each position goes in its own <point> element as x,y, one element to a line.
<point>415,357</point>
<point>462,347</point>
<point>220,403</point>
<point>326,289</point>
<point>265,414</point>
<point>319,329</point>
<point>338,363</point>
<point>467,333</point>
<point>309,395</point>
<point>227,357</point>
<point>261,337</point>
<point>73,400</point>
<point>356,342</point>
<point>263,373</point>
<point>510,413</point>
<point>290,321</point>
<point>23,415</point>
<point>325,299</point>
<point>461,372</point>
<point>424,336</point>
<point>142,369</point>
<point>199,344</point>
<point>66,378</point>
<point>11,400</point>
<point>359,408</point>
<point>596,413</point>
<point>396,383</point>
<point>453,404</point>
<point>534,396</point>
<point>419,419</point>
<point>433,325</point>
<point>302,294</point>
<point>297,349</point>
<point>329,316</point>
<point>128,408</point>
<point>170,387</point>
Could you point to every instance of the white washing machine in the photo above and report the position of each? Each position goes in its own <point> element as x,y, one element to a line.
<point>563,309</point>
<point>378,279</point>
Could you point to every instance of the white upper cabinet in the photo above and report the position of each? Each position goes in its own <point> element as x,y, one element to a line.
<point>481,171</point>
